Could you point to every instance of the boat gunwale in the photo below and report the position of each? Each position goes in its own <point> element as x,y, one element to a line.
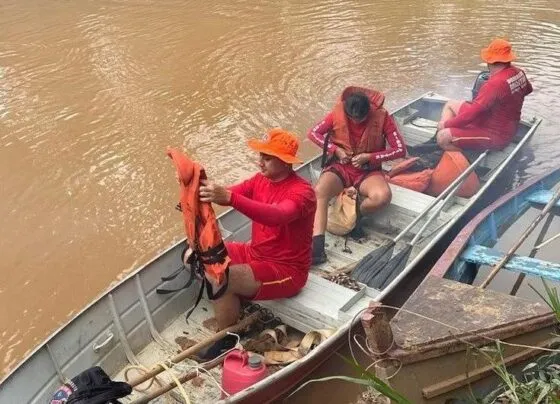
<point>459,243</point>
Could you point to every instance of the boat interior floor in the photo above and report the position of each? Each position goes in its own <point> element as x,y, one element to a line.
<point>181,335</point>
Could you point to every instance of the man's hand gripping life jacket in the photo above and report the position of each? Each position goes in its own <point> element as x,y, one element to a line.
<point>209,260</point>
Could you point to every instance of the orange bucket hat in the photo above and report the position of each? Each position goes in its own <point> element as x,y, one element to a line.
<point>499,50</point>
<point>278,143</point>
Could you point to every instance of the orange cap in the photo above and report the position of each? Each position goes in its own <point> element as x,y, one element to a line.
<point>499,50</point>
<point>278,143</point>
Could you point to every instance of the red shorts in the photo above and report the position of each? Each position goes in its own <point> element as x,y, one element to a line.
<point>277,281</point>
<point>482,139</point>
<point>350,175</point>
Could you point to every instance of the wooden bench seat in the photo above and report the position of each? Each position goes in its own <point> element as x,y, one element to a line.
<point>405,206</point>
<point>316,306</point>
<point>478,254</point>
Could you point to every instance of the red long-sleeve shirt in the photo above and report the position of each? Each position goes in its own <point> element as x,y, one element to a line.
<point>497,107</point>
<point>393,138</point>
<point>282,213</point>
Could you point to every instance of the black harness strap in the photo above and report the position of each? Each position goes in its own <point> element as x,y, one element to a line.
<point>196,263</point>
<point>197,266</point>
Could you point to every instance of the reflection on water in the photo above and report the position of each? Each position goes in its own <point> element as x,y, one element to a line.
<point>91,93</point>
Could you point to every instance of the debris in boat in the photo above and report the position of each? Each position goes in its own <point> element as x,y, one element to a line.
<point>205,309</point>
<point>344,280</point>
<point>260,344</point>
<point>197,381</point>
<point>295,350</point>
<point>268,340</point>
<point>372,396</point>
<point>211,323</point>
<point>184,342</point>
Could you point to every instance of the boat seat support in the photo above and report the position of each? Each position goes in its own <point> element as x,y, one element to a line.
<point>132,359</point>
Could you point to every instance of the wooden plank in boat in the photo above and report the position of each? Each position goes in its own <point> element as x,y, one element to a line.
<point>316,306</point>
<point>542,197</point>
<point>456,304</point>
<point>409,199</point>
<point>405,206</point>
<point>415,135</point>
<point>479,254</point>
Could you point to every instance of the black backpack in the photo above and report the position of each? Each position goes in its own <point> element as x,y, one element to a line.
<point>92,386</point>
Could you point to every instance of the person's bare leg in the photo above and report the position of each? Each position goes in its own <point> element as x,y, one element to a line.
<point>445,140</point>
<point>328,186</point>
<point>376,192</point>
<point>242,282</point>
<point>450,109</point>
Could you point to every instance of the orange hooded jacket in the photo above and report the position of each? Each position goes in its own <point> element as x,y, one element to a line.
<point>372,140</point>
<point>201,226</point>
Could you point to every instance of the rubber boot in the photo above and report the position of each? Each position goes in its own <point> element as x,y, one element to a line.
<point>318,250</point>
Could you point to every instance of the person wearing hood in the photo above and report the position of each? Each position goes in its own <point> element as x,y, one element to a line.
<point>490,120</point>
<point>362,136</point>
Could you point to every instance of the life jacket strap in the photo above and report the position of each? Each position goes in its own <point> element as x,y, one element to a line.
<point>176,273</point>
<point>216,250</point>
<point>196,261</point>
<point>211,296</point>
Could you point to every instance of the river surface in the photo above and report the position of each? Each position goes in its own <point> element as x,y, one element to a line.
<point>92,92</point>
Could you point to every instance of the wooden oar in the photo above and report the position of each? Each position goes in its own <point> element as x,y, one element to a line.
<point>523,237</point>
<point>533,252</point>
<point>376,260</point>
<point>182,379</point>
<point>247,321</point>
<point>397,263</point>
<point>538,247</point>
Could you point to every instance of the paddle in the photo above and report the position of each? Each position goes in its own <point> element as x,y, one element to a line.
<point>241,325</point>
<point>555,198</point>
<point>399,261</point>
<point>376,260</point>
<point>538,247</point>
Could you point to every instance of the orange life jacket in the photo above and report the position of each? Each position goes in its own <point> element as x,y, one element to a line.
<point>201,226</point>
<point>372,139</point>
<point>435,181</point>
<point>450,166</point>
<point>417,181</point>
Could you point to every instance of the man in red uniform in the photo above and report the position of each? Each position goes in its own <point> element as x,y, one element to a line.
<point>362,136</point>
<point>490,120</point>
<point>281,204</point>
